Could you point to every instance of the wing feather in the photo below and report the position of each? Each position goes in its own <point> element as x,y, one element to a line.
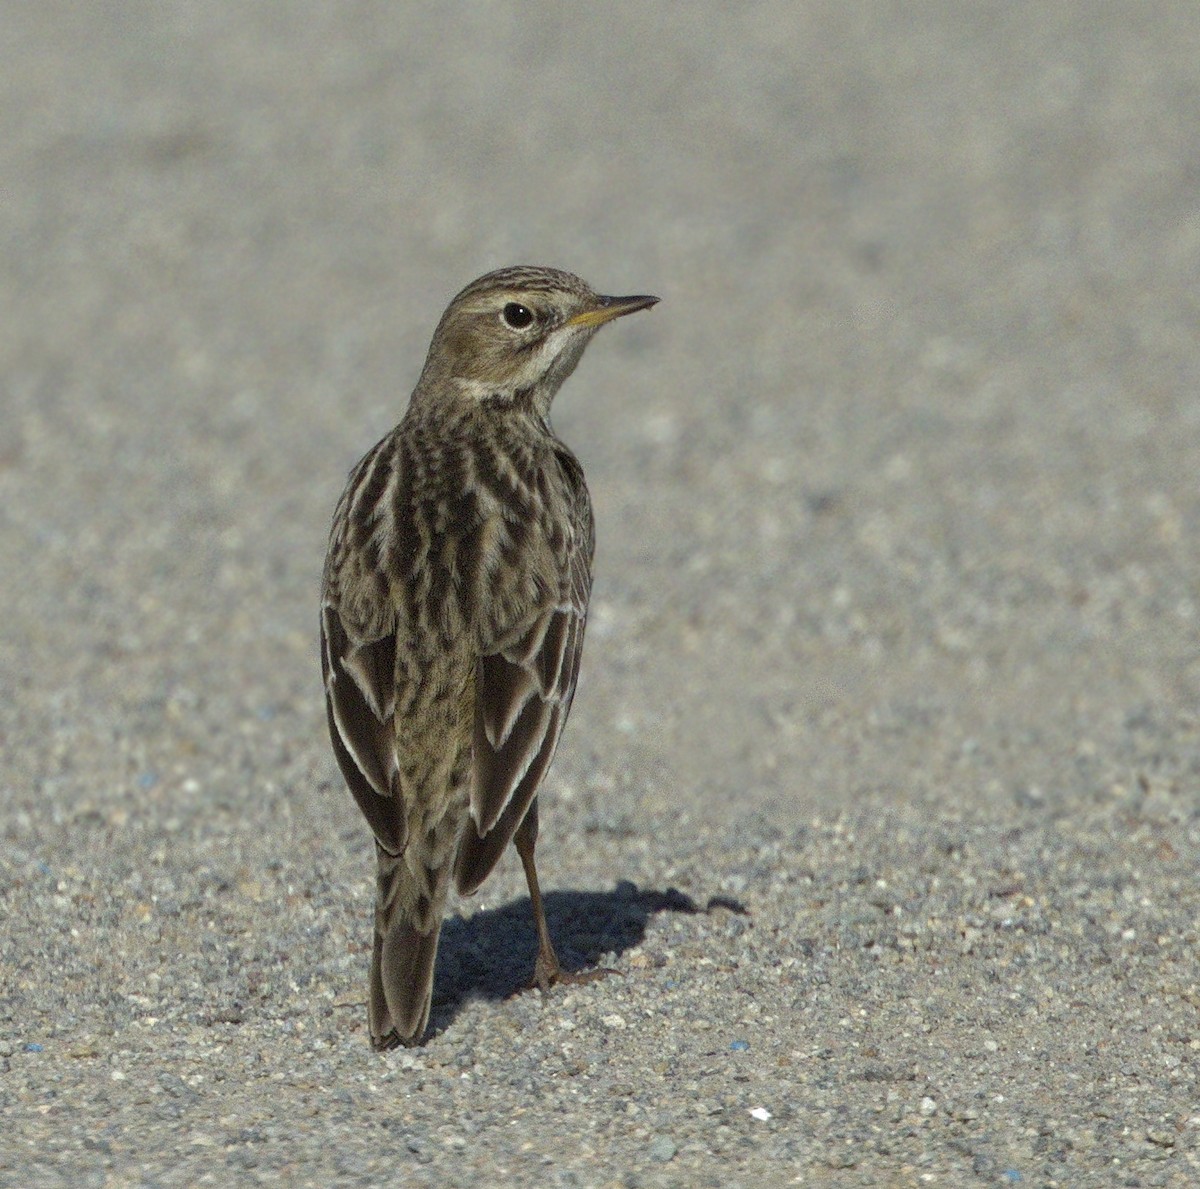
<point>478,854</point>
<point>503,691</point>
<point>360,703</point>
<point>523,696</point>
<point>552,652</point>
<point>500,770</point>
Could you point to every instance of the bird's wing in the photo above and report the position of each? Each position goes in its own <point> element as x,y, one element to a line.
<point>360,699</point>
<point>523,695</point>
<point>358,652</point>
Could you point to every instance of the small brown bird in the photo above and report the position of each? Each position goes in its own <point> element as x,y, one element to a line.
<point>455,596</point>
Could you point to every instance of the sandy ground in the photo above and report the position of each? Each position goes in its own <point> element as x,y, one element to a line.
<point>881,785</point>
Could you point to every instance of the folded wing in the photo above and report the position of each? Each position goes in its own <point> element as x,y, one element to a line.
<point>523,696</point>
<point>360,700</point>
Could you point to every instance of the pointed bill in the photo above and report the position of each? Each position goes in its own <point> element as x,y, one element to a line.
<point>608,308</point>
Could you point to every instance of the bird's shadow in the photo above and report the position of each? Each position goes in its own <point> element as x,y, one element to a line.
<point>490,955</point>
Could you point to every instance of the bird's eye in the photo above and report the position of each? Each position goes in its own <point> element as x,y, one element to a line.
<point>516,315</point>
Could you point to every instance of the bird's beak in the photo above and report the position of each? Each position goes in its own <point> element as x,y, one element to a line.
<point>608,308</point>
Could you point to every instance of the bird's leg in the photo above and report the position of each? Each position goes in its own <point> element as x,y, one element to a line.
<point>546,970</point>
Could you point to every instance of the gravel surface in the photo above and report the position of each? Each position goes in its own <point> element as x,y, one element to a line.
<point>881,785</point>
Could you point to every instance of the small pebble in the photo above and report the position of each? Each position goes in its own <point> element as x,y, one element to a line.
<point>662,1149</point>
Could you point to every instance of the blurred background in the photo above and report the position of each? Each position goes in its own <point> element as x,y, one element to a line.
<point>898,477</point>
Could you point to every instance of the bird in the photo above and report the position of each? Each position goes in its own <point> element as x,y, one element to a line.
<point>454,600</point>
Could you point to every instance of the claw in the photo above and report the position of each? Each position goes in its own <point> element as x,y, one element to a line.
<point>548,973</point>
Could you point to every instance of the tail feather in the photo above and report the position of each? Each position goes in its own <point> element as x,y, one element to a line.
<point>408,924</point>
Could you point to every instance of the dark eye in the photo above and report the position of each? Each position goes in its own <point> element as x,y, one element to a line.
<point>516,315</point>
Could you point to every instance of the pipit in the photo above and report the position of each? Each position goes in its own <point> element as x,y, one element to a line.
<point>455,596</point>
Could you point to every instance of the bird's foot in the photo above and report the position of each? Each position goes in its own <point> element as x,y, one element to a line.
<point>548,973</point>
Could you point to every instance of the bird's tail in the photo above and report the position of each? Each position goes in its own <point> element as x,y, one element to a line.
<point>408,921</point>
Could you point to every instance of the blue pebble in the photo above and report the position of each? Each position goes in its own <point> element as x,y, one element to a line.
<point>147,780</point>
<point>1011,1175</point>
<point>33,1047</point>
<point>740,1046</point>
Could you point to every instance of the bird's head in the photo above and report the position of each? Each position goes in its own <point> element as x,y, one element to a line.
<point>517,334</point>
